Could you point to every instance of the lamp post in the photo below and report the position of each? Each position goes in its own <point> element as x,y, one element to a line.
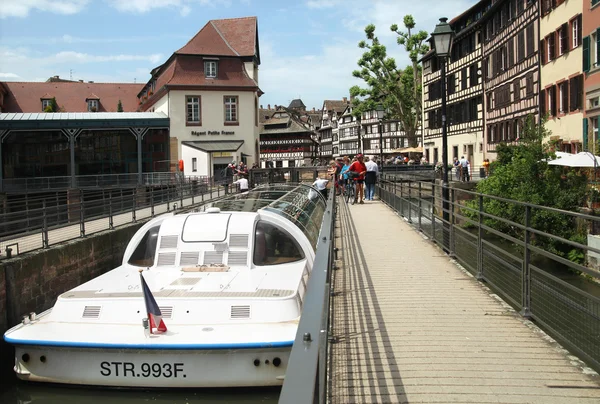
<point>380,112</point>
<point>442,38</point>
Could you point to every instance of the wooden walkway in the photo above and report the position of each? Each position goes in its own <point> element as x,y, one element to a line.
<point>410,326</point>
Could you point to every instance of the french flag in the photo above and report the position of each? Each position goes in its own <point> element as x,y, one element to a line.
<point>157,325</point>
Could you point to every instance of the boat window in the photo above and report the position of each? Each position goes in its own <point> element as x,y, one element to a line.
<point>143,255</point>
<point>273,246</point>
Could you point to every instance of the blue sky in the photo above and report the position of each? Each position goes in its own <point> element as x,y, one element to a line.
<point>308,47</point>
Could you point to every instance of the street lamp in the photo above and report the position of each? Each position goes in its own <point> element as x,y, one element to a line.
<point>442,38</point>
<point>380,112</point>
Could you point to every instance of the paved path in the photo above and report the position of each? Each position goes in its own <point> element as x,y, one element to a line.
<point>412,327</point>
<point>61,234</point>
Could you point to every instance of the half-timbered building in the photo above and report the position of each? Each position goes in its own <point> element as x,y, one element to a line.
<point>328,132</point>
<point>286,141</point>
<point>562,91</point>
<point>464,91</point>
<point>349,133</point>
<point>392,136</point>
<point>511,70</point>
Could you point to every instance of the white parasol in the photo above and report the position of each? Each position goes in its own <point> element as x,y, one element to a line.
<point>582,159</point>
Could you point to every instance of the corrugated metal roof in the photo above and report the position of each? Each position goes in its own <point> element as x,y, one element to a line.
<point>45,116</point>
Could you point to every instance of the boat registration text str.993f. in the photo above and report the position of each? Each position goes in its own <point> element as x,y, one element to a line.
<point>130,369</point>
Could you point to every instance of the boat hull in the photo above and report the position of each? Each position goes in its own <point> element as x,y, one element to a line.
<point>152,368</point>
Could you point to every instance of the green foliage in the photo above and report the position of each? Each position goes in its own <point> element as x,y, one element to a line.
<point>119,107</point>
<point>398,90</point>
<point>521,173</point>
<point>48,108</point>
<point>52,106</point>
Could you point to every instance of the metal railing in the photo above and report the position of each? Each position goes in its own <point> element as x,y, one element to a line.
<point>79,213</point>
<point>37,184</point>
<point>542,284</point>
<point>259,176</point>
<point>306,375</point>
<point>426,172</point>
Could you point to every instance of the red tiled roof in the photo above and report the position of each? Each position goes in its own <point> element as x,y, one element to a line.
<point>71,96</point>
<point>189,70</point>
<point>46,96</point>
<point>92,96</point>
<point>228,37</point>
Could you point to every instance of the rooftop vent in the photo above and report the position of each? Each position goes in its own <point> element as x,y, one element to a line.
<point>167,312</point>
<point>169,241</point>
<point>238,240</point>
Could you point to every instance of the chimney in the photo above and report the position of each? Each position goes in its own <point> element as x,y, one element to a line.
<point>345,100</point>
<point>314,109</point>
<point>81,81</point>
<point>268,106</point>
<point>261,106</point>
<point>90,82</point>
<point>56,77</point>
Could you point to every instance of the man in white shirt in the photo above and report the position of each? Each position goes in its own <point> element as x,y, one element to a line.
<point>243,184</point>
<point>370,178</point>
<point>321,185</point>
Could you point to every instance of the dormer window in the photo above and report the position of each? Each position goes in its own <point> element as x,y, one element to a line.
<point>46,103</point>
<point>210,68</point>
<point>92,105</point>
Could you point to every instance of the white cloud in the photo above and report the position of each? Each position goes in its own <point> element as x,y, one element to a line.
<point>145,6</point>
<point>33,65</point>
<point>70,39</point>
<point>319,4</point>
<point>22,8</point>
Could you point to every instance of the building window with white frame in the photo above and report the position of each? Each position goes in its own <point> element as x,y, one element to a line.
<point>194,164</point>
<point>594,60</point>
<point>46,103</point>
<point>210,68</point>
<point>92,105</point>
<point>231,109</point>
<point>193,110</point>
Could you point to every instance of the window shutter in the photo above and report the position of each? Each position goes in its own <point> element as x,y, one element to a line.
<point>586,54</point>
<point>597,61</point>
<point>579,80</point>
<point>564,33</point>
<point>552,93</point>
<point>543,51</point>
<point>585,133</point>
<point>543,102</point>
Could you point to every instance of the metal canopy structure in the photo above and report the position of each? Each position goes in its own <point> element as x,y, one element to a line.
<point>209,146</point>
<point>86,120</point>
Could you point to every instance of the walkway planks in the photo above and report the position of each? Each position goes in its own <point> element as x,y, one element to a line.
<point>409,326</point>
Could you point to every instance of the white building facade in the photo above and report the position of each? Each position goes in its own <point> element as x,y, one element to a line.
<point>209,89</point>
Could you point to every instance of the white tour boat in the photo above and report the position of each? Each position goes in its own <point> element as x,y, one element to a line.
<point>229,283</point>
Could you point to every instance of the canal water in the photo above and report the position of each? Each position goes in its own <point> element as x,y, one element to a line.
<point>18,392</point>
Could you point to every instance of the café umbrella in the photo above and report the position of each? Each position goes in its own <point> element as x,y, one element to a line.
<point>582,159</point>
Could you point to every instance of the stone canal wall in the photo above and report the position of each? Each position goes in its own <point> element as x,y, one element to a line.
<point>33,281</point>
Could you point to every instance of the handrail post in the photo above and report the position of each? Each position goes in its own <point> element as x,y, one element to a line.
<point>134,195</point>
<point>168,197</point>
<point>480,275</point>
<point>111,224</point>
<point>45,226</point>
<point>81,215</point>
<point>433,207</point>
<point>526,272</point>
<point>152,201</point>
<point>452,247</point>
<point>420,204</point>
<point>409,202</point>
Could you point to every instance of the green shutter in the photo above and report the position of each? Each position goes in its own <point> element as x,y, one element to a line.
<point>586,54</point>
<point>585,135</point>
<point>594,2</point>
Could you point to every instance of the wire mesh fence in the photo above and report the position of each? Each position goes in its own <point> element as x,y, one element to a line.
<point>552,279</point>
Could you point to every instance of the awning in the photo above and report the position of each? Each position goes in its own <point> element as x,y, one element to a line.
<point>209,146</point>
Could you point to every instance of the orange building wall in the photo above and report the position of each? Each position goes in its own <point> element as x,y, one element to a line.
<point>591,21</point>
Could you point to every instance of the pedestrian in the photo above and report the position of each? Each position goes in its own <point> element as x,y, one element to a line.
<point>228,177</point>
<point>242,183</point>
<point>360,169</point>
<point>321,185</point>
<point>370,178</point>
<point>464,168</point>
